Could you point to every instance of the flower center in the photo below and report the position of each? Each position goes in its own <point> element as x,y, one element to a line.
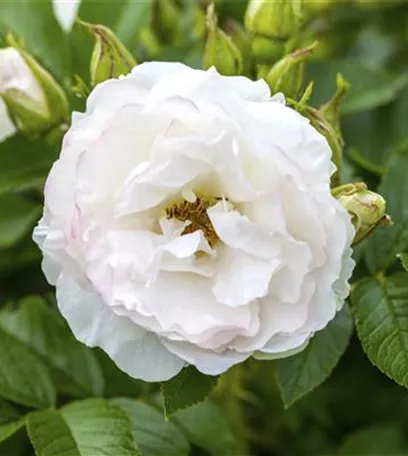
<point>195,213</point>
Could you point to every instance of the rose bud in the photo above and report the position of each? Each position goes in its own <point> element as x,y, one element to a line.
<point>274,18</point>
<point>31,100</point>
<point>366,208</point>
<point>220,51</point>
<point>110,58</point>
<point>287,75</point>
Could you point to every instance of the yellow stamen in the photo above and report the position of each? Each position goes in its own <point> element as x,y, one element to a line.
<point>195,213</point>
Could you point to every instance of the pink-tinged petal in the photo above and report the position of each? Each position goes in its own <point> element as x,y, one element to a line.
<point>135,351</point>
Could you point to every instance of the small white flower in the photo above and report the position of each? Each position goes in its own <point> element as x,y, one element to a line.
<point>189,220</point>
<point>16,77</point>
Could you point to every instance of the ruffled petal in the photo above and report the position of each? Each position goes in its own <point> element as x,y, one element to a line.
<point>241,278</point>
<point>135,351</point>
<point>206,361</point>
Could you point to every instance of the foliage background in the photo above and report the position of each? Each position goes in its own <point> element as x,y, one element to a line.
<point>357,411</point>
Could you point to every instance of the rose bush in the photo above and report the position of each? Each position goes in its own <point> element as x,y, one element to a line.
<point>189,220</point>
<point>16,80</point>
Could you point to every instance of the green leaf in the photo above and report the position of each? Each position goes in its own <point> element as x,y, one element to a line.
<point>87,428</point>
<point>74,367</point>
<point>379,440</point>
<point>50,434</point>
<point>188,388</point>
<point>17,217</point>
<point>34,23</point>
<point>404,260</point>
<point>380,309</point>
<point>23,163</point>
<point>23,377</point>
<point>205,426</point>
<point>10,420</point>
<point>370,86</point>
<point>98,425</point>
<point>152,433</point>
<point>299,374</point>
<point>383,246</point>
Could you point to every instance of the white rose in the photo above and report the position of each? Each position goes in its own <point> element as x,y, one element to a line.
<point>189,220</point>
<point>16,79</point>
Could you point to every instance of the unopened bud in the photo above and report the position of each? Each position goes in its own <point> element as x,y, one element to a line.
<point>366,208</point>
<point>110,58</point>
<point>242,40</point>
<point>265,50</point>
<point>220,51</point>
<point>200,21</point>
<point>166,21</point>
<point>277,19</point>
<point>34,101</point>
<point>287,75</point>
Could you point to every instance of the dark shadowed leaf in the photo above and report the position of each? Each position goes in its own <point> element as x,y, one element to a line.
<point>23,376</point>
<point>74,367</point>
<point>299,374</point>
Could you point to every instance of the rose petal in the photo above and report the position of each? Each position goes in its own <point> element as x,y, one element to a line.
<point>138,353</point>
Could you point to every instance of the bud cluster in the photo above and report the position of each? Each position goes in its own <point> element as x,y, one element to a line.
<point>269,46</point>
<point>32,102</point>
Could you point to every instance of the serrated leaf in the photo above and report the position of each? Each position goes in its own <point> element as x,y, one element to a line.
<point>299,374</point>
<point>380,309</point>
<point>152,433</point>
<point>17,217</point>
<point>383,246</point>
<point>74,367</point>
<point>370,86</point>
<point>99,425</point>
<point>379,440</point>
<point>9,429</point>
<point>206,427</point>
<point>34,23</point>
<point>23,377</point>
<point>404,260</point>
<point>187,388</point>
<point>50,434</point>
<point>88,428</point>
<point>10,420</point>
